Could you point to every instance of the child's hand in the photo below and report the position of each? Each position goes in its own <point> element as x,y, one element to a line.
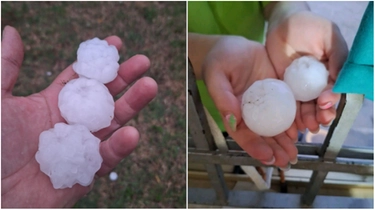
<point>304,33</point>
<point>231,65</point>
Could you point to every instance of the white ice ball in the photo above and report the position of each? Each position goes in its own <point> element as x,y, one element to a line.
<point>97,60</point>
<point>307,77</point>
<point>113,176</point>
<point>86,102</point>
<point>68,154</point>
<point>268,107</point>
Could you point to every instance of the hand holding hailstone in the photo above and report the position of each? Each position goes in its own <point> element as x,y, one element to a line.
<point>269,105</point>
<point>69,153</point>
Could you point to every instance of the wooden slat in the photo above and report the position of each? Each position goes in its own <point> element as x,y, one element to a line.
<point>239,158</point>
<point>203,139</point>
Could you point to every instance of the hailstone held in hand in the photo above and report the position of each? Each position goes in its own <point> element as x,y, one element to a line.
<point>307,77</point>
<point>97,60</point>
<point>69,154</point>
<point>268,107</point>
<point>86,102</point>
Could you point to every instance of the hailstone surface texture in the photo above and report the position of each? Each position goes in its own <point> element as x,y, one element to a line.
<point>68,154</point>
<point>86,102</point>
<point>307,77</point>
<point>268,107</point>
<point>97,60</point>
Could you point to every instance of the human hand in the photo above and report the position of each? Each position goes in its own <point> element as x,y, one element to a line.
<point>230,67</point>
<point>24,118</point>
<point>304,33</point>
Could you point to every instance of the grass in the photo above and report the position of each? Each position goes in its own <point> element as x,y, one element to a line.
<point>154,174</point>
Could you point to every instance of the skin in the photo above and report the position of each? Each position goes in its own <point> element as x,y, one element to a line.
<point>229,69</point>
<point>294,32</point>
<point>24,118</point>
<point>231,64</point>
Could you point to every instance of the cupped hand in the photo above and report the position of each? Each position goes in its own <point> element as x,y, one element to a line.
<point>232,65</point>
<point>304,33</point>
<point>24,118</point>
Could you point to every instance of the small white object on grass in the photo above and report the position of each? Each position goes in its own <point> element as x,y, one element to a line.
<point>307,77</point>
<point>86,102</point>
<point>113,176</point>
<point>69,154</point>
<point>268,107</point>
<point>97,60</point>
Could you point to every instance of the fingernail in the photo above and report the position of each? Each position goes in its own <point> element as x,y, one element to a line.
<point>272,161</point>
<point>326,105</point>
<point>287,168</point>
<point>302,131</point>
<point>294,161</point>
<point>232,121</point>
<point>316,131</point>
<point>328,124</point>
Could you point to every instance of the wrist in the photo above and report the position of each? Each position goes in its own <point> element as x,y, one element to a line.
<point>199,46</point>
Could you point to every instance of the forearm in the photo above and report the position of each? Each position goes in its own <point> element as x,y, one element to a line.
<point>199,46</point>
<point>279,11</point>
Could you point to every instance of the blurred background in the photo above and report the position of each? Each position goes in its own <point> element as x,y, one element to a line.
<point>154,175</point>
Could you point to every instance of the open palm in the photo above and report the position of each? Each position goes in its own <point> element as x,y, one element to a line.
<point>232,65</point>
<point>24,118</point>
<point>305,33</point>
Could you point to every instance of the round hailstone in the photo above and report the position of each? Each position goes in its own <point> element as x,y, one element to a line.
<point>86,102</point>
<point>268,107</point>
<point>68,154</point>
<point>113,176</point>
<point>97,60</point>
<point>307,77</point>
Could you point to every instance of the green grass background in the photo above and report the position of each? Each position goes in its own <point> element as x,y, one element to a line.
<point>154,175</point>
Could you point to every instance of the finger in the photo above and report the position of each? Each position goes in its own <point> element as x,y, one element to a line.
<point>253,144</point>
<point>11,58</point>
<point>225,101</point>
<point>336,50</point>
<point>288,145</point>
<point>326,116</point>
<point>308,114</point>
<point>300,126</point>
<point>281,157</point>
<point>133,101</point>
<point>117,147</point>
<point>129,71</point>
<point>292,132</point>
<point>327,98</point>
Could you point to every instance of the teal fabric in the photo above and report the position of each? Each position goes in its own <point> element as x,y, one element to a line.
<point>357,75</point>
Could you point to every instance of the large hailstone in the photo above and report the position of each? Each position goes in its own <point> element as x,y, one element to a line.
<point>69,154</point>
<point>86,102</point>
<point>268,107</point>
<point>97,60</point>
<point>307,77</point>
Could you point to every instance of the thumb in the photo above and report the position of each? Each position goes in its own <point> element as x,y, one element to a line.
<point>225,101</point>
<point>11,58</point>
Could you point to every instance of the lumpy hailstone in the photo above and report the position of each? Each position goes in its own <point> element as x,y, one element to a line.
<point>307,77</point>
<point>86,102</point>
<point>97,60</point>
<point>69,154</point>
<point>268,107</point>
